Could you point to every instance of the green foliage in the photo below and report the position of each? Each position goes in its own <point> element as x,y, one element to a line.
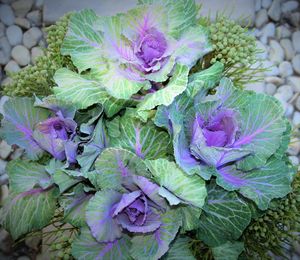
<point>277,226</point>
<point>38,79</point>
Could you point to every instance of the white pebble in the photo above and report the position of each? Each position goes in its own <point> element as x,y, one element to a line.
<point>289,6</point>
<point>282,32</point>
<point>35,17</point>
<point>276,53</point>
<point>296,118</point>
<point>266,3</point>
<point>257,5</point>
<point>261,18</point>
<point>21,55</point>
<point>35,53</point>
<point>285,69</point>
<point>289,110</point>
<point>294,18</point>
<point>14,35</point>
<point>22,22</point>
<point>285,91</point>
<point>263,52</point>
<point>11,67</point>
<point>32,37</point>
<point>22,7</point>
<point>275,80</point>
<point>5,49</point>
<point>270,89</point>
<point>6,15</point>
<point>268,31</point>
<point>297,103</point>
<point>287,46</point>
<point>294,82</point>
<point>272,69</point>
<point>296,41</point>
<point>39,4</point>
<point>296,63</point>
<point>275,10</point>
<point>5,149</point>
<point>2,29</point>
<point>7,81</point>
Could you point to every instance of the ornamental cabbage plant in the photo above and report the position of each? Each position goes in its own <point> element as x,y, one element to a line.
<point>146,150</point>
<point>130,56</point>
<point>239,137</point>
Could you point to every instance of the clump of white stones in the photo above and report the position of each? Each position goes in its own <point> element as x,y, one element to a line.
<point>277,29</point>
<point>21,37</point>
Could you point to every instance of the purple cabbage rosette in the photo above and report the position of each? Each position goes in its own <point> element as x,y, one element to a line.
<point>130,55</point>
<point>239,137</point>
<point>131,216</point>
<point>41,126</point>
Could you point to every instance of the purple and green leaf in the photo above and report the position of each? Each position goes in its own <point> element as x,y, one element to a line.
<point>20,119</point>
<point>85,247</point>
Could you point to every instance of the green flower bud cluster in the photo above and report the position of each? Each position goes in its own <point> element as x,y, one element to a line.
<point>38,79</point>
<point>61,249</point>
<point>277,226</point>
<point>232,44</point>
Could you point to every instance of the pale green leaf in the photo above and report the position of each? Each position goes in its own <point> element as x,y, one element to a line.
<point>228,251</point>
<point>20,119</point>
<point>85,247</point>
<point>83,92</point>
<point>224,217</point>
<point>83,41</point>
<point>180,250</point>
<point>165,96</point>
<point>144,139</point>
<point>113,164</point>
<point>154,246</point>
<point>28,211</point>
<point>25,175</point>
<point>189,189</point>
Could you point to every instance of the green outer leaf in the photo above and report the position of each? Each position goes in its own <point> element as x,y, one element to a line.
<point>113,164</point>
<point>165,96</point>
<point>99,216</point>
<point>83,92</point>
<point>64,181</point>
<point>95,146</point>
<point>223,218</point>
<point>144,139</point>
<point>154,246</point>
<point>25,175</point>
<point>20,118</point>
<point>83,41</point>
<point>75,205</point>
<point>180,250</point>
<point>192,46</point>
<point>271,181</point>
<point>182,14</point>
<point>207,79</point>
<point>264,113</point>
<point>228,251</point>
<point>190,218</point>
<point>189,189</point>
<point>28,211</point>
<point>117,85</point>
<point>85,247</point>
